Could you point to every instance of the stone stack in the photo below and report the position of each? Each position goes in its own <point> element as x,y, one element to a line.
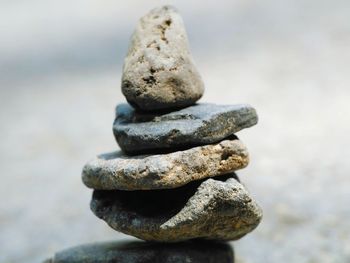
<point>174,179</point>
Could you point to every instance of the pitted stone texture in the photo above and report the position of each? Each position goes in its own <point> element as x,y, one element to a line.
<point>218,210</point>
<point>118,171</point>
<point>146,252</point>
<point>158,71</point>
<point>200,124</point>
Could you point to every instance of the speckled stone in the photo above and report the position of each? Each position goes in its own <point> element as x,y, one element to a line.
<point>217,208</point>
<point>119,171</point>
<point>158,71</point>
<point>200,124</point>
<point>146,252</point>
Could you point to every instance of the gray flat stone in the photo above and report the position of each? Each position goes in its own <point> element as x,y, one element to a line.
<point>146,252</point>
<point>209,209</point>
<point>158,71</point>
<point>200,124</point>
<point>119,171</point>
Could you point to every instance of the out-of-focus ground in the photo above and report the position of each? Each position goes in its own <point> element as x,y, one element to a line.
<point>60,66</point>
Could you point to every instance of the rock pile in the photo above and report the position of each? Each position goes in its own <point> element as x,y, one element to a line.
<point>174,179</point>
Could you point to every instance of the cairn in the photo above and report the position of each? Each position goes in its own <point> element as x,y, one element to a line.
<point>174,179</point>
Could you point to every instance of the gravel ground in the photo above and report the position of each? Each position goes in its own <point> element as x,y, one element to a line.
<point>60,80</point>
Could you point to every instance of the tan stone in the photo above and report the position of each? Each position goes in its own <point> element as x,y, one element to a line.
<point>158,71</point>
<point>119,171</point>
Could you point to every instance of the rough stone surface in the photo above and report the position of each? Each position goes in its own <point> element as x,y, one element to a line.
<point>158,71</point>
<point>118,171</point>
<point>196,125</point>
<point>142,252</point>
<point>208,209</point>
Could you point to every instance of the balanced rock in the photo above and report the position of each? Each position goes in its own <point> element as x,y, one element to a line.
<point>158,71</point>
<point>209,209</point>
<point>144,252</point>
<point>118,171</point>
<point>200,124</point>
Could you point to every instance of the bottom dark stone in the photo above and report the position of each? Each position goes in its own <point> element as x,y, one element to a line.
<point>147,252</point>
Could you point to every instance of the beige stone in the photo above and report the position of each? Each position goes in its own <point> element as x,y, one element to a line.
<point>119,171</point>
<point>158,71</point>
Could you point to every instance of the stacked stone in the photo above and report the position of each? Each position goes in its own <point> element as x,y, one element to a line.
<point>174,179</point>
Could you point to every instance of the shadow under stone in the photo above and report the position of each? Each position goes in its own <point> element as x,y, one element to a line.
<point>162,203</point>
<point>147,252</point>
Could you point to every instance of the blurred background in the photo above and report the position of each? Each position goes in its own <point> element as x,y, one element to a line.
<point>60,71</point>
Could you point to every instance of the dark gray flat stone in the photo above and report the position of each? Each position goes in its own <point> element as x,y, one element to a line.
<point>219,208</point>
<point>196,125</point>
<point>145,252</point>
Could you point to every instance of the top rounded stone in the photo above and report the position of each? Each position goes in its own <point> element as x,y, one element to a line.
<point>158,71</point>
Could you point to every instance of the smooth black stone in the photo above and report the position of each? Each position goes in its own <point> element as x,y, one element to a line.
<point>200,124</point>
<point>147,252</point>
